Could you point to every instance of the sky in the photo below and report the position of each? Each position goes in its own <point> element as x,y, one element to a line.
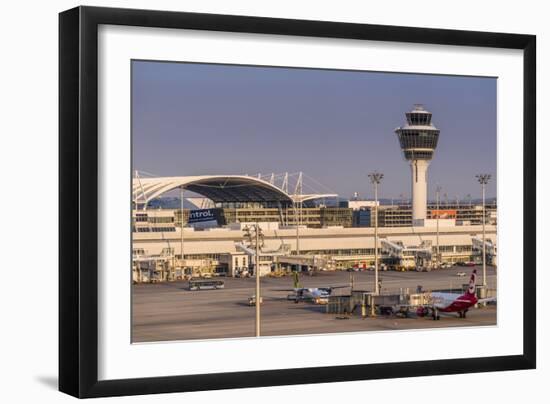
<point>335,126</point>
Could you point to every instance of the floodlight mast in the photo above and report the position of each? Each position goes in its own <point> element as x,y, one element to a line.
<point>257,241</point>
<point>182,189</point>
<point>298,208</point>
<point>375,179</point>
<point>437,193</point>
<point>483,179</point>
<point>258,297</point>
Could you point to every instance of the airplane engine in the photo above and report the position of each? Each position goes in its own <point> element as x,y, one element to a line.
<point>422,311</point>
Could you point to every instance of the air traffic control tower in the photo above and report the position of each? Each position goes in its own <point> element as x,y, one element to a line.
<point>418,140</point>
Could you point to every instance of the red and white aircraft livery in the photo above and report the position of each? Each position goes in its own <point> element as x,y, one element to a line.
<point>452,302</point>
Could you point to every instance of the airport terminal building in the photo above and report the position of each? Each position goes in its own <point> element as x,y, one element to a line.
<point>300,231</point>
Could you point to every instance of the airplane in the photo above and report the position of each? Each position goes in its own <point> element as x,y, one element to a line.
<point>452,302</point>
<point>317,295</point>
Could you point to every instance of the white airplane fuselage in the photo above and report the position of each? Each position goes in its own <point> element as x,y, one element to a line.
<point>316,295</point>
<point>452,302</point>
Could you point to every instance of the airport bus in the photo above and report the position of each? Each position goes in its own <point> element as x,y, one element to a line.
<point>204,284</point>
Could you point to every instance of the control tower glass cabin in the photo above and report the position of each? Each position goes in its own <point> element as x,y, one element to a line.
<point>418,140</point>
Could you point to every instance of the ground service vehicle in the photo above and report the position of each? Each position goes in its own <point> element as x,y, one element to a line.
<point>252,300</point>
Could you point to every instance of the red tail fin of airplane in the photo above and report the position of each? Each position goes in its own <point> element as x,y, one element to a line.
<point>472,285</point>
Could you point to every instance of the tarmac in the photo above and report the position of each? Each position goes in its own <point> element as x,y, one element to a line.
<point>169,311</point>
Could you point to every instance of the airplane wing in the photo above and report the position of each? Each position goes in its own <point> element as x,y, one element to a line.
<point>285,290</point>
<point>428,305</point>
<point>487,300</point>
<point>332,287</point>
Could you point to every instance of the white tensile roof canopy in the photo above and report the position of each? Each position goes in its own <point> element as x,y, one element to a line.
<point>218,188</point>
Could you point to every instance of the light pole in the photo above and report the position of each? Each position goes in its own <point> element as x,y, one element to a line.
<point>483,179</point>
<point>298,207</point>
<point>375,179</point>
<point>297,229</point>
<point>257,270</point>
<point>181,235</point>
<point>257,246</point>
<point>437,192</point>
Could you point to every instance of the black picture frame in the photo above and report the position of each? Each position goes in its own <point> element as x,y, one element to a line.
<point>78,201</point>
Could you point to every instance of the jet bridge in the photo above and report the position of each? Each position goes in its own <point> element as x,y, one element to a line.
<point>490,249</point>
<point>319,262</point>
<point>409,257</point>
<point>266,257</point>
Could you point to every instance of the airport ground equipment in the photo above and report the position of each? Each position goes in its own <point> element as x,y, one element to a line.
<point>361,302</point>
